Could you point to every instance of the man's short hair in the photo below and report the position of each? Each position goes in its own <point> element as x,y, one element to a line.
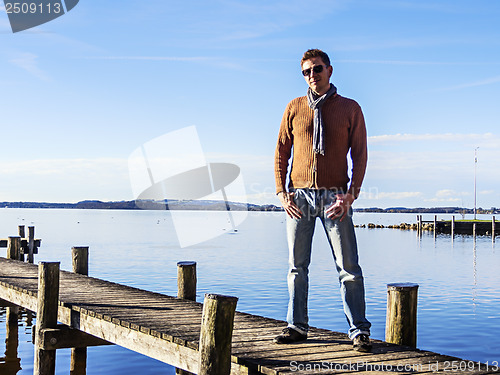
<point>310,53</point>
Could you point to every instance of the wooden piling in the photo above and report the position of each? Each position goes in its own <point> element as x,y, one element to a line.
<point>401,321</point>
<point>216,333</point>
<point>22,234</point>
<point>46,316</point>
<point>452,227</point>
<point>80,261</point>
<point>186,289</point>
<point>493,229</point>
<point>186,280</point>
<point>14,248</point>
<point>31,244</point>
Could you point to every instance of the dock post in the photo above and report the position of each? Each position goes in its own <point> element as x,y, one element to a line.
<point>80,261</point>
<point>186,280</point>
<point>452,227</point>
<point>493,228</point>
<point>435,224</point>
<point>31,244</point>
<point>401,321</point>
<point>22,234</point>
<point>14,248</point>
<point>216,334</point>
<point>186,289</point>
<point>46,315</point>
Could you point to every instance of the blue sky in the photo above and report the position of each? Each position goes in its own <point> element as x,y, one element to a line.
<point>81,93</point>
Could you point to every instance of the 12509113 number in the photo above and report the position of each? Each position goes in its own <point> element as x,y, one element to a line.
<point>464,366</point>
<point>33,8</point>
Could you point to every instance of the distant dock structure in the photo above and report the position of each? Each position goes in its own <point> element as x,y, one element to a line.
<point>451,227</point>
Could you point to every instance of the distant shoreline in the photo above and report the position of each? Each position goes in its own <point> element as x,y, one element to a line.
<point>222,206</point>
<point>146,205</point>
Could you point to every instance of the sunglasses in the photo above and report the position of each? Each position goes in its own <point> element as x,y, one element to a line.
<point>315,69</point>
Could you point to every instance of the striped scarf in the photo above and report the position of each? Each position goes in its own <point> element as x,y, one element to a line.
<point>316,102</point>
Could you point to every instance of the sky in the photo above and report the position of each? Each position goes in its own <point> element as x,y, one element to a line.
<point>82,92</point>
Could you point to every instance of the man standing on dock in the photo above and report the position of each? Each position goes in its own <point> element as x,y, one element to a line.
<point>321,128</point>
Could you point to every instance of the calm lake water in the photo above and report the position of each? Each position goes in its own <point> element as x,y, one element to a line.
<point>459,293</point>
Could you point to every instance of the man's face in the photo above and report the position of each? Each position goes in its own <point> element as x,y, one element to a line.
<point>318,82</point>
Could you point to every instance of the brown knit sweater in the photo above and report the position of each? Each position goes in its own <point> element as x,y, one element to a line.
<point>344,129</point>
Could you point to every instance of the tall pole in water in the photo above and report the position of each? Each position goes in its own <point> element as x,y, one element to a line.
<point>475,167</point>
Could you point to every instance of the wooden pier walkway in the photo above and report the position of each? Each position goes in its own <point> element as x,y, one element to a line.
<point>168,329</point>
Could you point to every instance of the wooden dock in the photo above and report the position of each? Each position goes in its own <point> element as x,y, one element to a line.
<point>168,329</point>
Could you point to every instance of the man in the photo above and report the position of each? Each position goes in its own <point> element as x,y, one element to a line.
<point>321,128</point>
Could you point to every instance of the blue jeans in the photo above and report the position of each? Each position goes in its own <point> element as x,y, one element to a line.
<point>342,240</point>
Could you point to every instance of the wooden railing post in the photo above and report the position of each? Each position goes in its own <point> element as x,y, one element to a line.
<point>186,280</point>
<point>22,234</point>
<point>80,261</point>
<point>31,244</point>
<point>46,315</point>
<point>401,322</point>
<point>14,248</point>
<point>216,334</point>
<point>493,228</point>
<point>186,289</point>
<point>452,226</point>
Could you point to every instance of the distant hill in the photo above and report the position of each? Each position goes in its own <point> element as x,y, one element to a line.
<point>148,205</point>
<point>213,205</point>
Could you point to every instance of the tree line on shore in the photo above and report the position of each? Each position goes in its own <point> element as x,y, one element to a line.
<point>221,205</point>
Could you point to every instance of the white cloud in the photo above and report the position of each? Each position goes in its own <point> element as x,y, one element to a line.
<point>405,62</point>
<point>446,193</point>
<point>447,137</point>
<point>448,196</point>
<point>28,62</point>
<point>483,82</point>
<point>443,200</point>
<point>152,58</point>
<point>487,192</point>
<point>399,195</point>
<point>440,166</point>
<point>65,180</point>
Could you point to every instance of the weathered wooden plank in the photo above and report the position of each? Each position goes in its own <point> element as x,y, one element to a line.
<point>67,337</point>
<point>18,297</point>
<point>24,242</point>
<point>4,303</point>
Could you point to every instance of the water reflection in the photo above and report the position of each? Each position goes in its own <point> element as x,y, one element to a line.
<point>11,363</point>
<point>474,272</point>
